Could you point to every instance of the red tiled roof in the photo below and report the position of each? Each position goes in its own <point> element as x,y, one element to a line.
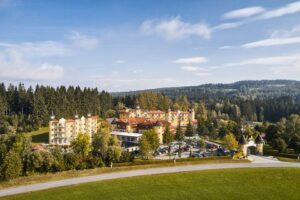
<point>139,120</point>
<point>156,112</point>
<point>93,117</point>
<point>37,147</point>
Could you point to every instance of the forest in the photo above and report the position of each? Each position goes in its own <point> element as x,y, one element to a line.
<point>26,109</point>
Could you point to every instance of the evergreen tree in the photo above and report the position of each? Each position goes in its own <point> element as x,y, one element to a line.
<point>40,113</point>
<point>168,138</point>
<point>189,130</point>
<point>179,137</point>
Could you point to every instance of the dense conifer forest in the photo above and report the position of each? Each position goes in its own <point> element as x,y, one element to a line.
<point>27,109</point>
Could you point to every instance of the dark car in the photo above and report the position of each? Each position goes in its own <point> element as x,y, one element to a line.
<point>220,152</point>
<point>186,148</point>
<point>197,155</point>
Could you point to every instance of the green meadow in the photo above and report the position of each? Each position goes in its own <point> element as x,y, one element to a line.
<point>258,183</point>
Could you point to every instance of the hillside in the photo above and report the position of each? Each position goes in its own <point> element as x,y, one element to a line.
<point>253,89</point>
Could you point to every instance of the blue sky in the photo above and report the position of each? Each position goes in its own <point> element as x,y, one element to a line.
<point>129,45</point>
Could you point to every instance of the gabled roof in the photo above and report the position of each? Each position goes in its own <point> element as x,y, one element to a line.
<point>242,140</point>
<point>156,112</point>
<point>259,140</point>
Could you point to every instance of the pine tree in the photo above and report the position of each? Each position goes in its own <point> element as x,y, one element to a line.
<point>40,113</point>
<point>179,137</point>
<point>189,130</point>
<point>168,138</point>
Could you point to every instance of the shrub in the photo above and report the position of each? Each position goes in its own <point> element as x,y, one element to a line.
<point>71,161</point>
<point>126,157</point>
<point>35,162</point>
<point>11,166</point>
<point>93,162</point>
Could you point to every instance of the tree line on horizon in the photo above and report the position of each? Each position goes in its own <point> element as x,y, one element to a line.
<point>26,109</point>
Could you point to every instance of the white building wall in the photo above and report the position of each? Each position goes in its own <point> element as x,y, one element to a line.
<point>62,132</point>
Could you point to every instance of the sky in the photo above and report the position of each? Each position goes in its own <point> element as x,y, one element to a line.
<point>131,45</point>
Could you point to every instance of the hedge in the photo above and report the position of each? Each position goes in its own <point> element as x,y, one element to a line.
<point>171,161</point>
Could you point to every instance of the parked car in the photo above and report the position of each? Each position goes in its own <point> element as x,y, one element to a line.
<point>197,155</point>
<point>186,148</point>
<point>207,154</point>
<point>220,152</point>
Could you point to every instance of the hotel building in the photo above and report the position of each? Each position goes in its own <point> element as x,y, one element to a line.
<point>63,131</point>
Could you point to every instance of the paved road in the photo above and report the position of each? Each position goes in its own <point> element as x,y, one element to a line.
<point>258,162</point>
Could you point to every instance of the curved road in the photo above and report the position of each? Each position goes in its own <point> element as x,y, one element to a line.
<point>258,162</point>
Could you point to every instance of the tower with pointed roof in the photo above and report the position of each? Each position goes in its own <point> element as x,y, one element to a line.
<point>52,117</point>
<point>259,141</point>
<point>243,145</point>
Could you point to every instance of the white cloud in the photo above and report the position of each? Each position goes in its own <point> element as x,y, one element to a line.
<point>277,38</point>
<point>14,67</point>
<point>203,73</point>
<point>113,83</point>
<point>265,14</point>
<point>120,61</point>
<point>138,71</point>
<point>228,25</point>
<point>286,33</point>
<point>81,41</point>
<point>40,49</point>
<point>189,68</point>
<point>285,70</point>
<point>27,60</point>
<point>199,71</point>
<point>272,42</point>
<point>226,47</point>
<point>190,61</point>
<point>41,72</point>
<point>273,60</point>
<point>284,10</point>
<point>175,28</point>
<point>244,12</point>
<point>284,66</point>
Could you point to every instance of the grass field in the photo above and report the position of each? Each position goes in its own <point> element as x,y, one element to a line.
<point>259,183</point>
<point>288,159</point>
<point>138,164</point>
<point>39,136</point>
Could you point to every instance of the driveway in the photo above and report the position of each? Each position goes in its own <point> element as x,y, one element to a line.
<point>259,162</point>
<point>263,159</point>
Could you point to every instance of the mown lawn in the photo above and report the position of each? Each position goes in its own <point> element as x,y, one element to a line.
<point>39,136</point>
<point>258,183</point>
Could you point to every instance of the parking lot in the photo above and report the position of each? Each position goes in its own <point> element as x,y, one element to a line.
<point>190,147</point>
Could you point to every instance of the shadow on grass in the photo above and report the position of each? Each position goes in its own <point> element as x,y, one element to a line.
<point>41,138</point>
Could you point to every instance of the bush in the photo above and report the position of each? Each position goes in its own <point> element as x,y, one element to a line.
<point>35,162</point>
<point>126,157</point>
<point>59,164</point>
<point>11,166</point>
<point>268,151</point>
<point>71,161</point>
<point>151,162</point>
<point>94,162</point>
<point>48,162</point>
